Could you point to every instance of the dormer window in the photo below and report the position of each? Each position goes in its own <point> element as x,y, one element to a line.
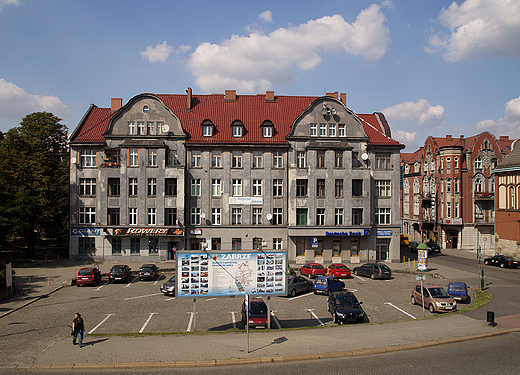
<point>238,128</point>
<point>267,129</point>
<point>207,128</point>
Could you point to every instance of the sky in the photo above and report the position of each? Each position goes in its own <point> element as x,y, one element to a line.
<point>432,67</point>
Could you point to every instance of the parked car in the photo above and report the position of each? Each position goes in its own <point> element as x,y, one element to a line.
<point>298,284</point>
<point>88,276</point>
<point>168,287</point>
<point>413,245</point>
<point>338,270</point>
<point>148,272</point>
<point>433,247</point>
<point>257,313</point>
<point>312,270</point>
<point>405,240</point>
<point>327,285</point>
<point>459,291</point>
<point>502,261</point>
<point>434,297</point>
<point>373,270</point>
<point>345,308</point>
<point>120,272</point>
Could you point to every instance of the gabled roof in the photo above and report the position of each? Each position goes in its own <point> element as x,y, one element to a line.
<point>510,162</point>
<point>412,157</point>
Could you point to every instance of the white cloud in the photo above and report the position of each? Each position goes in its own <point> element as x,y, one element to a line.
<point>159,53</point>
<point>266,16</point>
<point>426,114</point>
<point>404,136</point>
<point>16,103</point>
<point>507,125</point>
<point>478,28</point>
<point>258,61</point>
<point>4,3</point>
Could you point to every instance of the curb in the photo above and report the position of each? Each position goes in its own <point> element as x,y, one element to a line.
<point>31,301</point>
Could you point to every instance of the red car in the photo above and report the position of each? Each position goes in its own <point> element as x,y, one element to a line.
<point>88,276</point>
<point>338,270</point>
<point>312,270</point>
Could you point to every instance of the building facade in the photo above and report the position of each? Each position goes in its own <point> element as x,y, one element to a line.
<point>449,188</point>
<point>234,172</point>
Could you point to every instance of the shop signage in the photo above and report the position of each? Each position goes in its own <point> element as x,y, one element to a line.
<point>361,232</point>
<point>147,232</point>
<point>246,201</point>
<point>75,231</point>
<point>314,241</point>
<point>457,221</point>
<point>384,232</point>
<point>195,231</point>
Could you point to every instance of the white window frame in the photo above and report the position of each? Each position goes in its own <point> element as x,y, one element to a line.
<point>332,130</point>
<point>301,159</point>
<point>236,215</point>
<point>314,130</point>
<point>237,130</point>
<point>216,159</point>
<point>277,244</point>
<point>133,157</point>
<point>195,187</point>
<point>341,130</point>
<point>277,159</point>
<point>152,216</point>
<point>132,216</point>
<point>131,128</point>
<point>237,187</point>
<point>277,187</point>
<point>278,216</point>
<point>133,186</point>
<point>88,158</point>
<point>267,131</point>
<point>87,215</point>
<point>257,188</point>
<point>216,216</point>
<point>152,157</point>
<point>207,131</point>
<point>216,187</point>
<point>196,159</point>
<point>258,159</point>
<point>257,216</point>
<point>383,216</point>
<point>236,161</point>
<point>195,216</point>
<point>323,130</point>
<point>141,128</point>
<point>338,216</point>
<point>150,128</point>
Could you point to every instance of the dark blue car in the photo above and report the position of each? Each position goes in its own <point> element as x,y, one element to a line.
<point>328,285</point>
<point>459,291</point>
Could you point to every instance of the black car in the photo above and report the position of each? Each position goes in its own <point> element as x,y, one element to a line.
<point>149,272</point>
<point>373,270</point>
<point>433,247</point>
<point>502,261</point>
<point>345,308</point>
<point>120,272</point>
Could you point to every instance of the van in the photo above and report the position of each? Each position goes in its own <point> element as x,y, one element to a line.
<point>405,240</point>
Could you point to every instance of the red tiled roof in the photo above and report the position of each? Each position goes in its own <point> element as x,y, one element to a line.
<point>412,157</point>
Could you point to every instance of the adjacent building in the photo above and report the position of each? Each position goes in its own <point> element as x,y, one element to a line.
<point>232,172</point>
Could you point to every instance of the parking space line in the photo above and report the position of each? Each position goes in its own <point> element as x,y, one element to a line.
<point>156,281</point>
<point>148,295</point>
<point>103,285</point>
<point>360,278</point>
<point>233,319</point>
<point>315,316</point>
<point>147,321</point>
<point>404,312</point>
<point>131,282</point>
<point>190,322</point>
<point>169,299</point>
<point>276,320</point>
<point>300,296</point>
<point>210,299</point>
<point>103,321</point>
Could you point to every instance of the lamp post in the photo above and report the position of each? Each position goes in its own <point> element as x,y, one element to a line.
<point>478,212</point>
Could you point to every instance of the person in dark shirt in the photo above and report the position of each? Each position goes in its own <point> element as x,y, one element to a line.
<point>78,329</point>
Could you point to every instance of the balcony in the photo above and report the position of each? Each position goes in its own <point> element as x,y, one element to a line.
<point>426,196</point>
<point>484,196</point>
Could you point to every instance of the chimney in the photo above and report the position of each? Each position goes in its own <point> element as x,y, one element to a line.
<point>449,137</point>
<point>116,104</point>
<point>461,136</point>
<point>344,98</point>
<point>504,138</point>
<point>188,100</point>
<point>230,96</point>
<point>332,94</point>
<point>269,96</point>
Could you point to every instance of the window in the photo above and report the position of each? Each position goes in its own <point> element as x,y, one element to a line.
<point>336,247</point>
<point>320,159</point>
<point>216,159</point>
<point>257,243</point>
<point>152,157</point>
<point>170,187</point>
<point>338,159</point>
<point>150,128</point>
<point>382,160</point>
<point>448,164</point>
<point>216,244</point>
<point>341,130</point>
<point>258,159</point>
<point>357,188</point>
<point>132,216</point>
<point>323,130</point>
<point>383,215</point>
<point>478,163</point>
<point>277,187</point>
<point>257,216</point>
<point>382,188</point>
<point>195,216</point>
<point>135,245</point>
<point>301,216</point>
<point>300,158</point>
<point>320,188</point>
<point>216,216</point>
<point>338,216</point>
<point>257,188</point>
<point>478,185</point>
<point>355,160</point>
<point>237,188</point>
<point>116,245</point>
<point>153,245</point>
<point>133,157</point>
<point>114,187</point>
<point>277,216</point>
<point>237,130</point>
<point>457,185</point>
<point>87,186</point>
<point>113,216</point>
<point>277,243</point>
<point>216,187</point>
<point>87,158</point>
<point>172,157</point>
<point>196,159</point>
<point>457,212</point>
<point>300,247</point>
<point>277,159</point>
<point>152,187</point>
<point>301,187</point>
<point>332,130</point>
<point>357,216</point>
<point>236,216</point>
<point>207,130</point>
<point>448,185</point>
<point>195,187</point>
<point>448,209</point>
<point>132,186</point>
<point>87,215</point>
<point>267,131</point>
<point>141,130</point>
<point>320,216</point>
<point>314,130</point>
<point>338,188</point>
<point>237,159</point>
<point>131,128</point>
<point>456,162</point>
<point>486,145</point>
<point>86,245</point>
<point>236,244</point>
<point>152,216</point>
<point>160,126</point>
<point>170,216</point>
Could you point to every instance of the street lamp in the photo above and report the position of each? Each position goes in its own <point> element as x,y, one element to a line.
<point>478,212</point>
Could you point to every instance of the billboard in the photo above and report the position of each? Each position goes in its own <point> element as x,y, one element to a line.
<point>219,274</point>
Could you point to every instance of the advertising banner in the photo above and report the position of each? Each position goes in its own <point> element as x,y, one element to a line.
<point>218,274</point>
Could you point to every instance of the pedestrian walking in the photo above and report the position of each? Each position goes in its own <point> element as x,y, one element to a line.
<point>78,329</point>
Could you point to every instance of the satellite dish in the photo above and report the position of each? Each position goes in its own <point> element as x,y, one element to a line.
<point>165,128</point>
<point>73,160</point>
<point>203,215</point>
<point>268,216</point>
<point>364,156</point>
<point>325,111</point>
<point>333,111</point>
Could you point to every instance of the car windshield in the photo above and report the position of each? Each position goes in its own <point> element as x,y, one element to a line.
<point>118,269</point>
<point>457,288</point>
<point>146,269</point>
<point>346,300</point>
<point>318,267</point>
<point>258,308</point>
<point>172,279</point>
<point>320,282</point>
<point>438,293</point>
<point>341,267</point>
<point>85,272</point>
<point>384,267</point>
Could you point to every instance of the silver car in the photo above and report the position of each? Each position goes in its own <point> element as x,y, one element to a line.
<point>298,284</point>
<point>168,287</point>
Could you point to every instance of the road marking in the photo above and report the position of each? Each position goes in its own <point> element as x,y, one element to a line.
<point>156,281</point>
<point>210,299</point>
<point>148,295</point>
<point>103,321</point>
<point>404,312</point>
<point>147,321</point>
<point>131,282</point>
<point>233,319</point>
<point>190,322</point>
<point>360,278</point>
<point>103,285</point>
<point>276,320</point>
<point>300,296</point>
<point>315,316</point>
<point>169,299</point>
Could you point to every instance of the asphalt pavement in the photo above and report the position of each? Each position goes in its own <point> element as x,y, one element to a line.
<point>232,348</point>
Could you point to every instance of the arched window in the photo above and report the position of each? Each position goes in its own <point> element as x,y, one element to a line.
<point>478,185</point>
<point>512,197</point>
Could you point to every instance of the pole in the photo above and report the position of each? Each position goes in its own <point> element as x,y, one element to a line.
<point>247,320</point>
<point>194,314</point>
<point>268,312</point>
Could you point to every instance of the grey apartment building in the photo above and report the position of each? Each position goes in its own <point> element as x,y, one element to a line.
<point>230,172</point>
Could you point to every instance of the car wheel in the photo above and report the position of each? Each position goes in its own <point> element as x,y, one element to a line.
<point>432,309</point>
<point>293,292</point>
<point>335,319</point>
<point>468,301</point>
<point>372,276</point>
<point>315,292</point>
<point>502,265</point>
<point>486,262</point>
<point>414,302</point>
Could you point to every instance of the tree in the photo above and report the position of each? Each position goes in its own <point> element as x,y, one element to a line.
<point>34,179</point>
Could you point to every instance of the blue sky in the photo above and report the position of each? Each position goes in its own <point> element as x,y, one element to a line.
<point>432,67</point>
